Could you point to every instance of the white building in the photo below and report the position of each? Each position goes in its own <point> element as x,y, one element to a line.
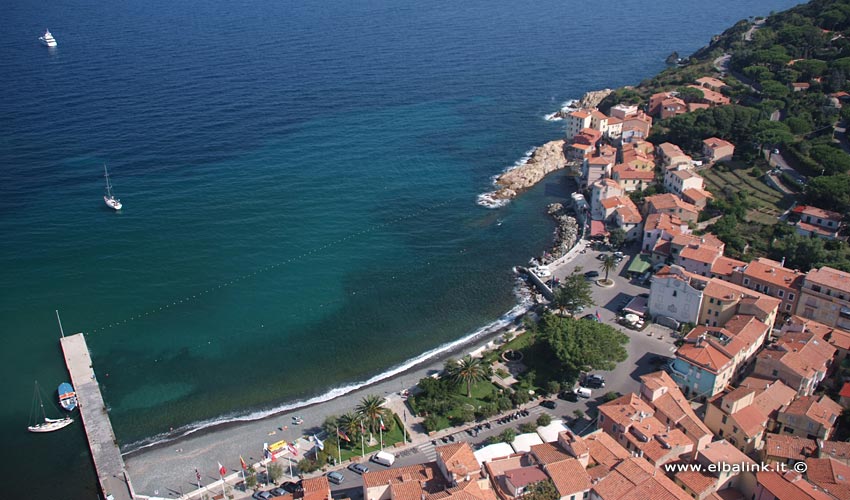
<point>676,293</point>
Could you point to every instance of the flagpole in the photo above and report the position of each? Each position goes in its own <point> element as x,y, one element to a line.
<point>222,484</point>
<point>404,426</point>
<point>382,437</point>
<point>338,446</point>
<point>362,446</point>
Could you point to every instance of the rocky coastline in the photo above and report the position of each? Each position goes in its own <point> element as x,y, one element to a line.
<point>566,231</point>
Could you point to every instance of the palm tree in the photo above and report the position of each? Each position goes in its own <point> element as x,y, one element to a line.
<point>469,370</point>
<point>608,263</point>
<point>349,423</point>
<point>370,409</point>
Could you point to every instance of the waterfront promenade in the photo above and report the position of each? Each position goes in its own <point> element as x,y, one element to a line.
<point>109,466</point>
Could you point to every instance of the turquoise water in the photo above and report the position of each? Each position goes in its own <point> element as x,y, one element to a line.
<point>299,184</point>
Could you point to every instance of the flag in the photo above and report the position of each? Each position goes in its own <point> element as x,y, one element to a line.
<point>292,449</point>
<point>319,444</point>
<point>381,419</point>
<point>598,317</point>
<point>343,435</point>
<point>273,457</point>
<point>198,475</point>
<point>221,470</point>
<point>242,461</point>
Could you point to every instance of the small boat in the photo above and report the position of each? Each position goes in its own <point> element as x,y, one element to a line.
<point>47,39</point>
<point>47,424</point>
<point>67,396</point>
<point>110,199</point>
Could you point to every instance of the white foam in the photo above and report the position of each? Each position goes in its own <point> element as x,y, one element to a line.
<point>489,200</point>
<point>505,320</point>
<point>566,107</point>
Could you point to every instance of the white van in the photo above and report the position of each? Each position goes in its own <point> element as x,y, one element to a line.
<point>383,458</point>
<point>583,392</point>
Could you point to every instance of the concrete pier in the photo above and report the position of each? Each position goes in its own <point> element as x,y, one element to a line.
<point>108,464</point>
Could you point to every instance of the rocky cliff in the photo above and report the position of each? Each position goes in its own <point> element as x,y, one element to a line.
<point>545,159</point>
<point>593,98</point>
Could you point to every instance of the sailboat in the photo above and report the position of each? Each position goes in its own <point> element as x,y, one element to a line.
<point>47,39</point>
<point>48,424</point>
<point>109,198</point>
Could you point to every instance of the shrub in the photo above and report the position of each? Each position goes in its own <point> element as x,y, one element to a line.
<point>544,419</point>
<point>431,423</point>
<point>553,387</point>
<point>756,172</point>
<point>527,427</point>
<point>611,396</point>
<point>507,436</point>
<point>307,465</point>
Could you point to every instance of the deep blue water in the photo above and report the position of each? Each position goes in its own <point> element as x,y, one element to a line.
<point>299,182</point>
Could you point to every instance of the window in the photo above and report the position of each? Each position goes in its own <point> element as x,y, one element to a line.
<point>723,420</point>
<point>790,296</point>
<point>781,293</point>
<point>734,430</point>
<point>746,281</point>
<point>709,312</point>
<point>711,300</point>
<point>675,293</point>
<point>775,373</point>
<point>716,313</point>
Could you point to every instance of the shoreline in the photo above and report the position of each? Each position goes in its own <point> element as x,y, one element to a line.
<point>173,462</point>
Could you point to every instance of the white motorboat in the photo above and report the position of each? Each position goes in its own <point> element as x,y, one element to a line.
<point>47,39</point>
<point>47,424</point>
<point>110,199</point>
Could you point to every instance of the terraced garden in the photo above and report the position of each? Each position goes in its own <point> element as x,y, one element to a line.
<point>769,203</point>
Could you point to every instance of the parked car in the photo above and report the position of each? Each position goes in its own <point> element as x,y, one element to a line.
<point>277,492</point>
<point>541,271</point>
<point>358,468</point>
<point>583,392</point>
<point>383,458</point>
<point>590,316</point>
<point>591,274</point>
<point>292,486</point>
<point>601,256</point>
<point>568,396</point>
<point>594,381</point>
<point>336,477</point>
<point>548,404</point>
<point>297,420</point>
<point>262,495</point>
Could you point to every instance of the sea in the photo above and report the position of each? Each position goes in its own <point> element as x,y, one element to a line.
<point>299,181</point>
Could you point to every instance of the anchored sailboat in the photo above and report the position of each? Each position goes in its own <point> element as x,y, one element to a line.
<point>48,424</point>
<point>110,199</point>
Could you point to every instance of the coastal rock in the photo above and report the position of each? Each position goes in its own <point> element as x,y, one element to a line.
<point>554,208</point>
<point>566,235</point>
<point>593,98</point>
<point>545,159</point>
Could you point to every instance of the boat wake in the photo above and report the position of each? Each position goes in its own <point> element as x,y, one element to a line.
<point>488,199</point>
<point>505,320</point>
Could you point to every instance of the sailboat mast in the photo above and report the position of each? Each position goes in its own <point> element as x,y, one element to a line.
<point>61,331</point>
<point>108,186</point>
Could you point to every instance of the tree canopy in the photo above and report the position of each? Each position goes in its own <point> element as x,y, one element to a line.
<point>583,345</point>
<point>574,294</point>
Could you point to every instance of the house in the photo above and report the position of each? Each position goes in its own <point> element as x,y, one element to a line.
<point>825,297</point>
<point>810,416</point>
<point>631,178</point>
<point>602,189</point>
<point>671,106</point>
<point>697,197</point>
<point>593,169</point>
<point>775,485</point>
<point>627,217</point>
<point>598,121</point>
<point>630,421</point>
<point>722,300</point>
<point>837,450</point>
<point>673,409</point>
<point>678,180</point>
<point>736,474</point>
<point>636,479</point>
<point>677,294</point>
<point>575,121</point>
<point>517,480</point>
<point>698,256</point>
<point>570,479</point>
<point>715,149</point>
<point>771,278</point>
<point>829,475</point>
<point>844,395</point>
<point>711,97</point>
<point>457,463</point>
<point>316,488</point>
<point>800,359</point>
<point>636,127</point>
<point>724,268</point>
<point>672,156</point>
<point>661,227</point>
<point>623,111</point>
<point>800,86</point>
<point>498,468</point>
<point>708,82</point>
<point>818,222</point>
<point>672,205</point>
<point>379,484</point>
<point>615,129</point>
<point>788,450</point>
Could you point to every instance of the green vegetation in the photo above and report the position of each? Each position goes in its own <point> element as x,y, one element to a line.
<point>582,345</point>
<point>445,402</point>
<point>541,490</point>
<point>608,263</point>
<point>574,294</point>
<point>468,371</point>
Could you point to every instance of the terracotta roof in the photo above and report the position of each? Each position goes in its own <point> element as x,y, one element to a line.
<point>817,212</point>
<point>426,472</point>
<point>410,490</point>
<point>724,266</point>
<point>839,450</point>
<point>829,277</point>
<point>839,339</point>
<point>748,330</point>
<point>711,95</point>
<point>636,479</point>
<point>674,406</point>
<point>598,114</point>
<point>583,147</point>
<point>711,82</point>
<point>821,410</point>
<point>580,114</point>
<point>693,106</point>
<point>569,477</point>
<point>789,486</point>
<point>599,160</point>
<point>724,452</point>
<point>773,397</point>
<point>604,450</point>
<point>684,174</point>
<point>524,476</point>
<point>813,228</point>
<point>697,194</point>
<point>705,356</point>
<point>316,488</point>
<point>624,171</point>
<point>772,272</point>
<point>831,475</point>
<point>698,482</point>
<point>793,447</point>
<point>613,120</point>
<point>803,353</point>
<point>801,85</point>
<point>668,201</point>
<point>548,453</point>
<point>845,390</point>
<point>716,142</point>
<point>629,214</point>
<point>706,255</point>
<point>669,149</point>
<point>625,410</point>
<point>458,459</point>
<point>750,420</point>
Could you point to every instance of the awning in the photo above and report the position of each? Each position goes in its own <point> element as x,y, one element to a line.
<point>597,229</point>
<point>640,264</point>
<point>637,306</point>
